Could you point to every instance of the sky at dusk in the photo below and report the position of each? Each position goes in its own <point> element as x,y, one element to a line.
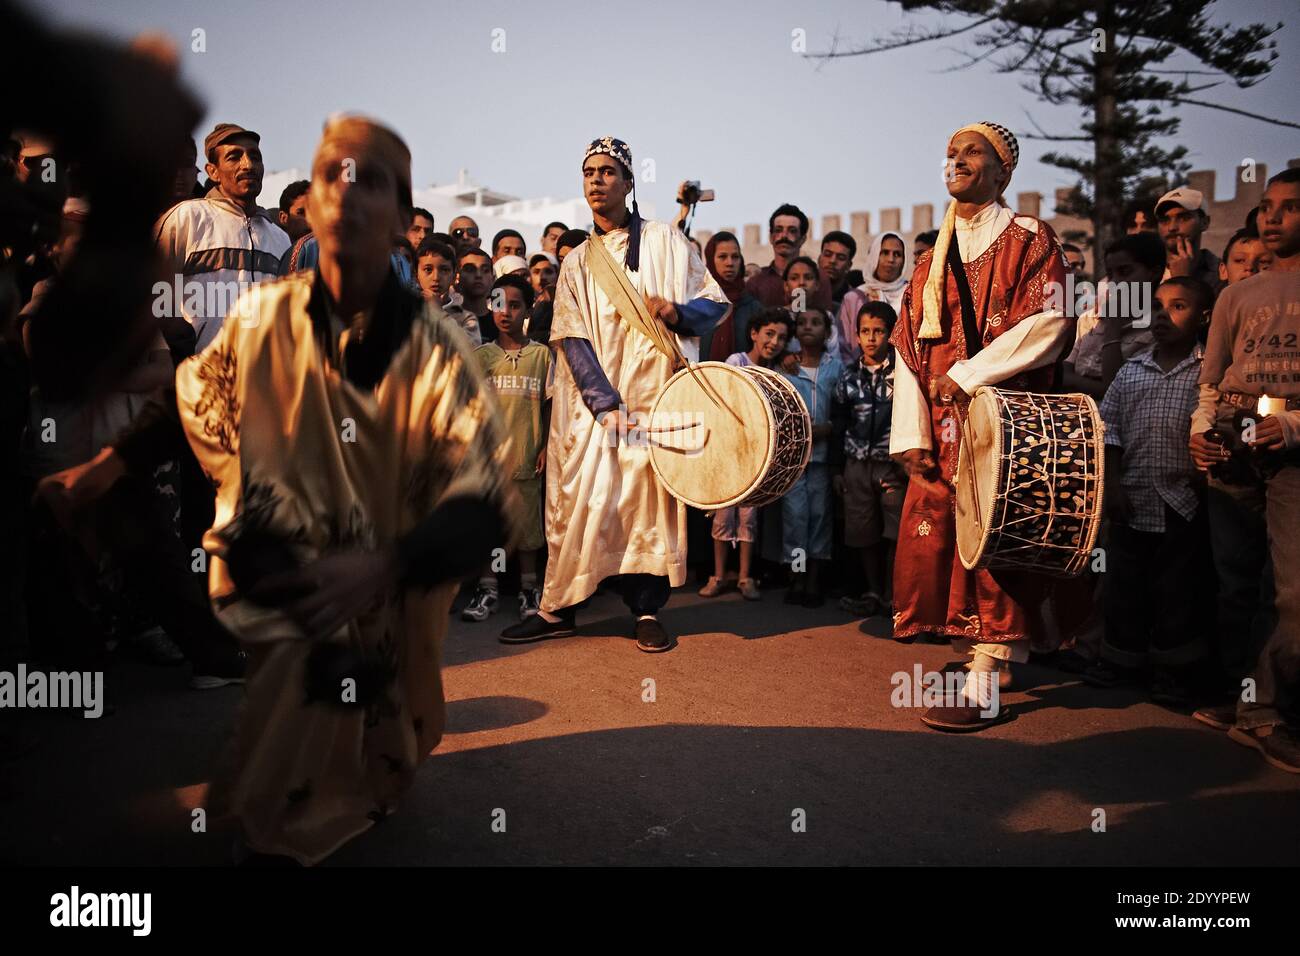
<point>714,92</point>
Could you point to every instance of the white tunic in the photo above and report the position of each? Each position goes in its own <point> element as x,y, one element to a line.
<point>606,512</point>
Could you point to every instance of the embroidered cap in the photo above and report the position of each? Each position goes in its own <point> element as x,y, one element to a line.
<point>621,153</point>
<point>1002,140</point>
<point>1004,143</point>
<point>614,148</point>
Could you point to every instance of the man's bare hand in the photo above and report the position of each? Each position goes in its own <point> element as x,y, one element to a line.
<point>615,424</point>
<point>1268,434</point>
<point>945,391</point>
<point>328,593</point>
<point>1205,453</point>
<point>1183,259</point>
<point>69,491</point>
<point>662,309</point>
<point>918,463</point>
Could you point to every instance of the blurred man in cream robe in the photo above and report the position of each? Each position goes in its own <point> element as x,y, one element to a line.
<point>607,516</point>
<point>351,438</point>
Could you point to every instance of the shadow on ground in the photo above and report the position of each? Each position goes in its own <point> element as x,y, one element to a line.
<point>686,794</point>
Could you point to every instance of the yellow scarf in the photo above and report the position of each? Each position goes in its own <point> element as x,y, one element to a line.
<point>1008,150</point>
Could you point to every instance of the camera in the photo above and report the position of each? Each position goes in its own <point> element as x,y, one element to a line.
<point>691,193</point>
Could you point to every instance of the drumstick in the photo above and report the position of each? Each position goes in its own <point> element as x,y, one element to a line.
<point>631,308</point>
<point>669,428</point>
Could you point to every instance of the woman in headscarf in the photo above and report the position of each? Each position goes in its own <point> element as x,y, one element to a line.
<point>1009,262</point>
<point>887,268</point>
<point>726,263</point>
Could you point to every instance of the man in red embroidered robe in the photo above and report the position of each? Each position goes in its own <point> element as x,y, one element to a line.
<point>1009,261</point>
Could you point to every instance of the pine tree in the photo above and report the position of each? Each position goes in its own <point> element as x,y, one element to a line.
<point>1112,60</point>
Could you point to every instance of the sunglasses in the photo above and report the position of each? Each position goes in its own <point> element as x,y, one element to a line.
<point>462,232</point>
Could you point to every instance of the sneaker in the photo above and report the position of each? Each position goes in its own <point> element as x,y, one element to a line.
<point>749,589</point>
<point>156,647</point>
<point>481,605</point>
<point>1218,716</point>
<point>713,588</point>
<point>1277,743</point>
<point>529,603</point>
<point>213,674</point>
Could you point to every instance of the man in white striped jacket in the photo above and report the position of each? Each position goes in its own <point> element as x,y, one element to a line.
<point>217,246</point>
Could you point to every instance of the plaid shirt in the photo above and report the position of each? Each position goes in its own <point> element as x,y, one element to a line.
<point>864,400</point>
<point>1148,413</point>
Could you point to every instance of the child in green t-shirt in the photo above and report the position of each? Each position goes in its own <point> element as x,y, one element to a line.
<point>518,369</point>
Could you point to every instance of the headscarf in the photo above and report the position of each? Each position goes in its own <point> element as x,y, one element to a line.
<point>734,288</point>
<point>891,292</point>
<point>1005,145</point>
<point>724,335</point>
<point>621,153</point>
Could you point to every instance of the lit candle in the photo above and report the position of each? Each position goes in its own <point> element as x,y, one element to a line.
<point>1270,406</point>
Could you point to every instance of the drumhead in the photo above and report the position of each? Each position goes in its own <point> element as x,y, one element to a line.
<point>979,463</point>
<point>719,461</point>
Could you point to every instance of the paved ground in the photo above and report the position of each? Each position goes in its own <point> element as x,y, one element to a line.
<point>761,711</point>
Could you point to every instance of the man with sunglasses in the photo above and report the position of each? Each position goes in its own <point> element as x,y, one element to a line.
<point>464,232</point>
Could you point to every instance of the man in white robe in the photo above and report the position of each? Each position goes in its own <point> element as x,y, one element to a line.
<point>607,516</point>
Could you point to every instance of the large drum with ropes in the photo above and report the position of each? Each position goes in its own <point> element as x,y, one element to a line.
<point>723,435</point>
<point>1029,482</point>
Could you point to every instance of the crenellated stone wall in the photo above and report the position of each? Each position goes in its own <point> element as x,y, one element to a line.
<point>1226,217</point>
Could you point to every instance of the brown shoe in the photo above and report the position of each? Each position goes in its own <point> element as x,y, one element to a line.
<point>651,636</point>
<point>1277,744</point>
<point>963,718</point>
<point>749,589</point>
<point>1218,716</point>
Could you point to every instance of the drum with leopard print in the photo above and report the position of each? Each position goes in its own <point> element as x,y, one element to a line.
<point>1029,479</point>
